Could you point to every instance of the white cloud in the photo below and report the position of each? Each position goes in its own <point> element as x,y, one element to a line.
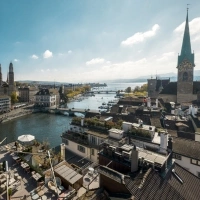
<point>70,51</point>
<point>166,56</point>
<point>16,60</point>
<point>60,54</point>
<point>34,56</point>
<point>108,62</point>
<point>140,36</point>
<point>42,70</point>
<point>95,61</point>
<point>47,54</point>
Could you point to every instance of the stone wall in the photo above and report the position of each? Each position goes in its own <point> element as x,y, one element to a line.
<point>168,98</point>
<point>186,97</point>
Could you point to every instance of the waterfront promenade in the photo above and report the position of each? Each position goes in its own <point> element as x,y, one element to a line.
<point>19,112</point>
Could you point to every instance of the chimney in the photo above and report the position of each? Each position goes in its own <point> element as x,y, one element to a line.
<point>170,143</point>
<point>134,159</point>
<point>163,140</point>
<point>156,103</point>
<point>149,102</point>
<point>82,121</point>
<point>62,151</point>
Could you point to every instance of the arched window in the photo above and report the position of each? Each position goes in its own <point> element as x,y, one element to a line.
<point>185,76</point>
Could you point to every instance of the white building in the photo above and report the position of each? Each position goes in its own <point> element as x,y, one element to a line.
<point>5,103</point>
<point>44,98</point>
<point>187,154</point>
<point>83,142</point>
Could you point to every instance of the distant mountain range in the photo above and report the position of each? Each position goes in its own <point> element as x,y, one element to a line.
<point>141,79</point>
<point>172,76</point>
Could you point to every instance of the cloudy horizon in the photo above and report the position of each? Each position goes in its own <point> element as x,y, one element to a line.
<point>94,41</point>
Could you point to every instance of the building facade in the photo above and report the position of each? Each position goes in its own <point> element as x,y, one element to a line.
<point>44,98</point>
<point>5,104</point>
<point>23,94</point>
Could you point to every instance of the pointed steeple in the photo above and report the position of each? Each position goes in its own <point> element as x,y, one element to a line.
<point>186,46</point>
<point>186,52</point>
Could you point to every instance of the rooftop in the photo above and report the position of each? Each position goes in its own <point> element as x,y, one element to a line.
<point>185,147</point>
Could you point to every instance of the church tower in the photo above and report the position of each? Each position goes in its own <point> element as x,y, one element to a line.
<point>11,75</point>
<point>185,68</point>
<point>0,76</point>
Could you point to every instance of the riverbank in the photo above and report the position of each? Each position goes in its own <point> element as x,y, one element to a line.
<point>11,116</point>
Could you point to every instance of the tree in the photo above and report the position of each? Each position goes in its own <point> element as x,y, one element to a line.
<point>137,89</point>
<point>128,90</point>
<point>14,98</point>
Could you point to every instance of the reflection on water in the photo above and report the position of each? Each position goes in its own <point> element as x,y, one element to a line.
<point>45,127</point>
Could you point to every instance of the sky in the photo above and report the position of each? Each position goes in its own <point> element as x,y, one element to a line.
<point>82,41</point>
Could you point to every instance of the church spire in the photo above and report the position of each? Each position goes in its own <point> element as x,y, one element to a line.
<point>186,52</point>
<point>186,46</point>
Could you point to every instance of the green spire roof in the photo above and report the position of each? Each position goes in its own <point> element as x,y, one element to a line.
<point>186,52</point>
<point>186,46</point>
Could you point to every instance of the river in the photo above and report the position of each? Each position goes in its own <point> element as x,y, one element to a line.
<point>49,127</point>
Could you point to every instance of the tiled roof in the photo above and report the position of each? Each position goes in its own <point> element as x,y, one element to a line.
<point>111,174</point>
<point>157,188</point>
<point>171,88</point>
<point>155,121</point>
<point>43,92</point>
<point>188,148</point>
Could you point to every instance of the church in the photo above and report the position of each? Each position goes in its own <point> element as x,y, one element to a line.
<point>185,89</point>
<point>8,86</point>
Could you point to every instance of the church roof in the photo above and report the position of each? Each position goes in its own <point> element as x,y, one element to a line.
<point>186,52</point>
<point>162,83</point>
<point>171,88</point>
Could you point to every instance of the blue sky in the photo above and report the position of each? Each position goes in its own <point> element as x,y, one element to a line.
<point>87,40</point>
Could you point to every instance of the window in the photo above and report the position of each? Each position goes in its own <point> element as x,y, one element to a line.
<point>185,76</point>
<point>176,156</point>
<point>195,162</point>
<point>92,152</point>
<point>81,148</point>
<point>93,140</point>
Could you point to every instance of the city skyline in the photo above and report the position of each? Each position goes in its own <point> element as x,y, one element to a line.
<point>83,41</point>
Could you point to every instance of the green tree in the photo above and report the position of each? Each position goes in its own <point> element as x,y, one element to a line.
<point>128,90</point>
<point>14,98</point>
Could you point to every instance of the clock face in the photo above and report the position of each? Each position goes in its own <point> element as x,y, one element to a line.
<point>185,65</point>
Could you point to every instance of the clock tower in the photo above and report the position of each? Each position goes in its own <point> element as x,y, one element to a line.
<point>185,68</point>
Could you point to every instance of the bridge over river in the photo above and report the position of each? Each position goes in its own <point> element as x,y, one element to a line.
<point>72,111</point>
<point>101,92</point>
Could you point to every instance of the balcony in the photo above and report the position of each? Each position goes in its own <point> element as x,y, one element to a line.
<point>79,138</point>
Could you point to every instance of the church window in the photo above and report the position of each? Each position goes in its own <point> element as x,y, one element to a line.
<point>185,76</point>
